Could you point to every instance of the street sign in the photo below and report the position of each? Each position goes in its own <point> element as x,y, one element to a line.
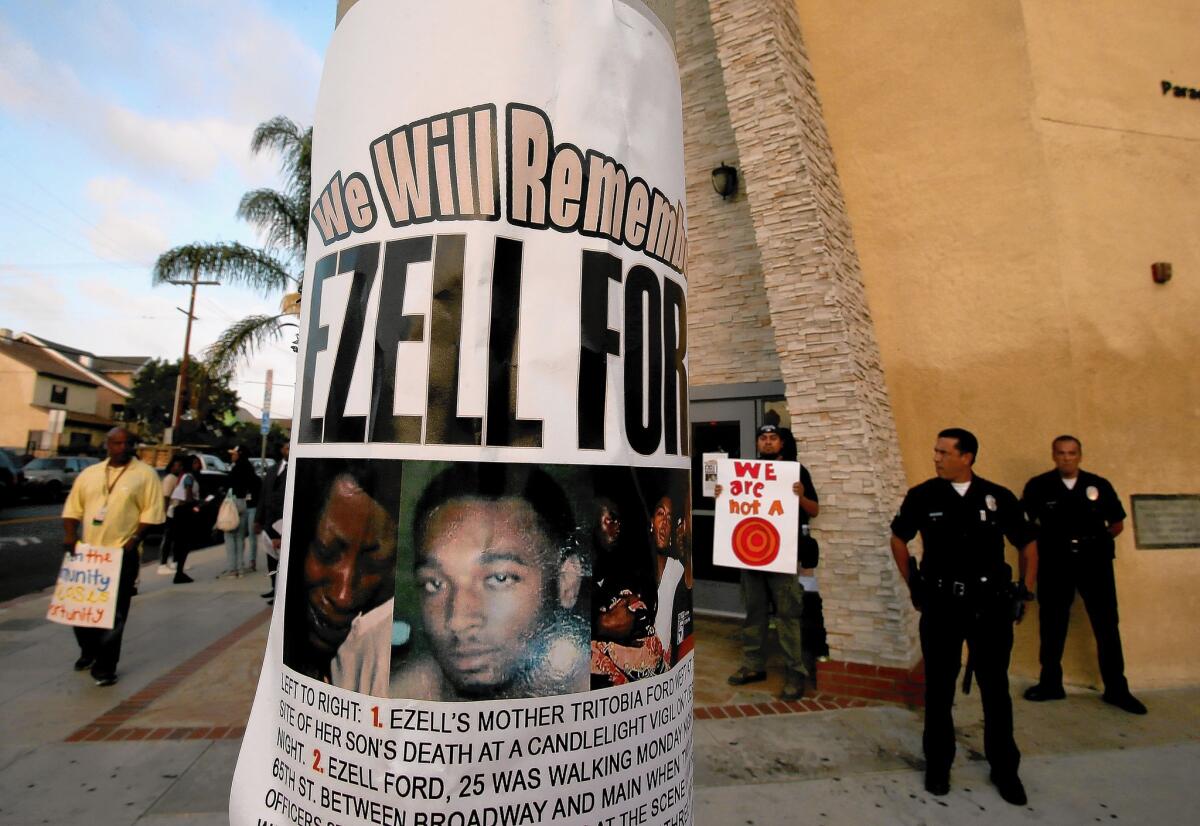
<point>266,423</point>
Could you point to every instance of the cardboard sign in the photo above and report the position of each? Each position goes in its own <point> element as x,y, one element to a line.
<point>757,515</point>
<point>86,592</point>
<point>490,447</point>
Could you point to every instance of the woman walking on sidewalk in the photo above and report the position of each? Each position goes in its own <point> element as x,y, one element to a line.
<point>243,485</point>
<point>166,550</point>
<point>185,505</point>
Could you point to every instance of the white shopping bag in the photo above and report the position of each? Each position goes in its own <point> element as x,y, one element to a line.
<point>267,547</point>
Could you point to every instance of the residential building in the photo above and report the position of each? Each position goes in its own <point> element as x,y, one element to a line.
<point>57,398</point>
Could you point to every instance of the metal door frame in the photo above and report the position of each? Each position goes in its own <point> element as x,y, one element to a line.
<point>709,596</point>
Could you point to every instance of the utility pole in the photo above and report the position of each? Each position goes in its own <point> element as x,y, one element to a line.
<point>176,411</point>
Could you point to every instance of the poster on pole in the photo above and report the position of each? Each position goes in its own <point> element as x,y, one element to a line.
<point>757,515</point>
<point>708,462</point>
<point>85,594</point>
<point>484,605</point>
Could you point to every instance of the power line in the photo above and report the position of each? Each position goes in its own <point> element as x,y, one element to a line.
<point>24,212</point>
<point>276,384</point>
<point>69,265</point>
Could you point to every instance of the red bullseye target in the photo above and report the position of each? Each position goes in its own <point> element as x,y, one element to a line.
<point>755,541</point>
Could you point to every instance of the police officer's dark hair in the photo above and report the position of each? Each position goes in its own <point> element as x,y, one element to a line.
<point>1067,437</point>
<point>964,441</point>
<point>492,481</point>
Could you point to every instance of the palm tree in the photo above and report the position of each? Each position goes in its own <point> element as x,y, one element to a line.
<point>282,218</point>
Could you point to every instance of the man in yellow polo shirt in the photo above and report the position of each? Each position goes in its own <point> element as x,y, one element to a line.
<point>115,501</point>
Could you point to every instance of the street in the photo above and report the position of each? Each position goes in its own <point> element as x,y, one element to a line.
<point>31,548</point>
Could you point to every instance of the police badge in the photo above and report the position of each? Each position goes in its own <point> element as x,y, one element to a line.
<point>1092,492</point>
<point>990,501</point>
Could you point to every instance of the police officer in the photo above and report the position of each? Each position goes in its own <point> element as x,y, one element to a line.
<point>1077,515</point>
<point>761,588</point>
<point>963,592</point>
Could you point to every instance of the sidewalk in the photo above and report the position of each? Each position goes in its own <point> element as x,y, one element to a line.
<point>160,746</point>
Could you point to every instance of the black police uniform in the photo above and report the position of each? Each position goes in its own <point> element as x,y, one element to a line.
<point>965,596</point>
<point>1075,551</point>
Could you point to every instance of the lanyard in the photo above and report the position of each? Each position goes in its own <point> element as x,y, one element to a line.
<point>108,488</point>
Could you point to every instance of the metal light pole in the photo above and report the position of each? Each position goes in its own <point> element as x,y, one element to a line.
<point>266,412</point>
<point>176,412</point>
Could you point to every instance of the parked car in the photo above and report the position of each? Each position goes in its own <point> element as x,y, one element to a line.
<point>213,464</point>
<point>50,478</point>
<point>12,480</point>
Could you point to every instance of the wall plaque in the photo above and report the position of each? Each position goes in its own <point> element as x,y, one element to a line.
<point>1166,520</point>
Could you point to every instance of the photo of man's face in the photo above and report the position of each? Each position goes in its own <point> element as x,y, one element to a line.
<point>608,525</point>
<point>489,577</point>
<point>660,524</point>
<point>349,567</point>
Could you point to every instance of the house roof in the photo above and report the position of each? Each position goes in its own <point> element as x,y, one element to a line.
<point>45,363</point>
<point>102,364</point>
<point>69,357</point>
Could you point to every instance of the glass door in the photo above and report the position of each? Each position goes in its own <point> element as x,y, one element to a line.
<point>717,427</point>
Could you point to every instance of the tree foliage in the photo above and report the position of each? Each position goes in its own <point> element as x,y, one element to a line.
<point>208,398</point>
<point>281,218</point>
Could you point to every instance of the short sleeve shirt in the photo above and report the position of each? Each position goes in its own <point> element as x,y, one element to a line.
<point>963,534</point>
<point>810,492</point>
<point>124,498</point>
<point>1064,516</point>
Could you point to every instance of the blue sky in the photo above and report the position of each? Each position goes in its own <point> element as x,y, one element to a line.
<point>124,131</point>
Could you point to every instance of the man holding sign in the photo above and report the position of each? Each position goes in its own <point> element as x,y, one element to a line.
<point>750,540</point>
<point>116,500</point>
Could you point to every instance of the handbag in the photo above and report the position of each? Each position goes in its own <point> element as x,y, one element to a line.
<point>228,517</point>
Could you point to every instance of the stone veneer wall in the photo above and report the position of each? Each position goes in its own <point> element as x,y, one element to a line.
<point>729,324</point>
<point>822,335</point>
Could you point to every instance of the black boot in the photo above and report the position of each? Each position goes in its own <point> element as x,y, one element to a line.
<point>1010,788</point>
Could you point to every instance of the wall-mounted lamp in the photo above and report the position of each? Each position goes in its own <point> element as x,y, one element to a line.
<point>1159,271</point>
<point>725,180</point>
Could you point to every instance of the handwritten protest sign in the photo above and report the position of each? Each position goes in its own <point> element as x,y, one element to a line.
<point>86,592</point>
<point>756,520</point>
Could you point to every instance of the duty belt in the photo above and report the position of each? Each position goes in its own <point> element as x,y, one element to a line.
<point>962,588</point>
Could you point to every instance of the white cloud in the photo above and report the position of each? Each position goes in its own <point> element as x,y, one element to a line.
<point>231,62</point>
<point>267,70</point>
<point>27,294</point>
<point>129,226</point>
<point>189,149</point>
<point>31,84</point>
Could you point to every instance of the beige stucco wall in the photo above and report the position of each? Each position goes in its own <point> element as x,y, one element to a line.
<point>80,398</point>
<point>17,418</point>
<point>105,399</point>
<point>1011,171</point>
